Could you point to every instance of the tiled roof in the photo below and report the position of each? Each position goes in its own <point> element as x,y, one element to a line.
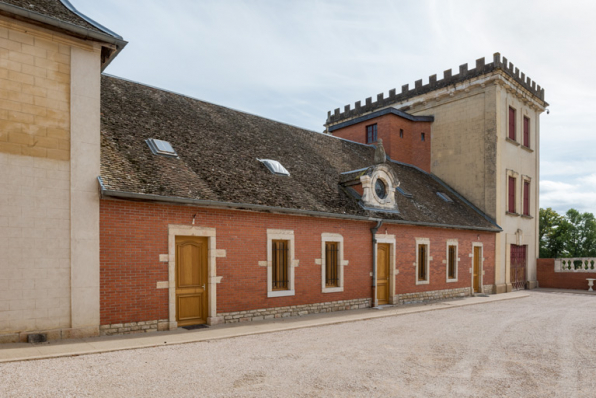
<point>218,150</point>
<point>53,9</point>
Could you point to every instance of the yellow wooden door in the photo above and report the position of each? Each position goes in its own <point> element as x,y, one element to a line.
<point>477,269</point>
<point>382,273</point>
<point>191,280</point>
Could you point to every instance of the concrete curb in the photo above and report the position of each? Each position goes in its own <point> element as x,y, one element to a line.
<point>96,346</point>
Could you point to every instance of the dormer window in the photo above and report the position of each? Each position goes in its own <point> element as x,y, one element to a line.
<point>275,167</point>
<point>160,147</point>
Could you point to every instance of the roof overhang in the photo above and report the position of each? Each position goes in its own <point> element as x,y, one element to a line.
<point>382,112</point>
<point>114,42</point>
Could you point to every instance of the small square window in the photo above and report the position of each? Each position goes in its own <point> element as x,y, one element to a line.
<point>371,133</point>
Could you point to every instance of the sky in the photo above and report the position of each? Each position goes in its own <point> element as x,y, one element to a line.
<point>293,61</point>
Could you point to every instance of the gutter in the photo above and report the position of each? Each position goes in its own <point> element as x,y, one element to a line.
<point>108,193</point>
<point>87,34</point>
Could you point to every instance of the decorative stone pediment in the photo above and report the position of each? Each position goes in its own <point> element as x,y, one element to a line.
<point>378,186</point>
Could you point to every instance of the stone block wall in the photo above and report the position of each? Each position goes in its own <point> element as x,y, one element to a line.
<point>295,310</point>
<point>133,327</point>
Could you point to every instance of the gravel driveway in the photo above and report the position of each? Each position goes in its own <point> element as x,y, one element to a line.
<point>541,346</point>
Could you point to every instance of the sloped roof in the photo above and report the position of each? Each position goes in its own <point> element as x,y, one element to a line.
<point>53,9</point>
<point>219,149</point>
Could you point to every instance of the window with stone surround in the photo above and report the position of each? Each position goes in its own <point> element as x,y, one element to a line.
<point>511,195</point>
<point>332,263</point>
<point>452,260</point>
<point>526,196</point>
<point>422,260</point>
<point>526,142</point>
<point>280,263</point>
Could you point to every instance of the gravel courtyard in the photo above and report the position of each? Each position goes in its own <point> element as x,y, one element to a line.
<point>540,346</point>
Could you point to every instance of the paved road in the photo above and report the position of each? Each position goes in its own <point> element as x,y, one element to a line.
<point>541,346</point>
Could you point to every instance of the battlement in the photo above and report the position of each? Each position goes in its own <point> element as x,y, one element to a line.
<point>449,78</point>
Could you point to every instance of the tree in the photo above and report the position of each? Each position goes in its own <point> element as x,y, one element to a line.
<point>572,235</point>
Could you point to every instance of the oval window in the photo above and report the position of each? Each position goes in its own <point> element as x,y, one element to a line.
<point>380,189</point>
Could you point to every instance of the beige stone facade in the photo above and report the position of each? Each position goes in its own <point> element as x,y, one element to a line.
<point>49,162</point>
<point>471,150</point>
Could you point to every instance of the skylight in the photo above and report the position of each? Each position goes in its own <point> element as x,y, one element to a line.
<point>445,197</point>
<point>160,147</point>
<point>406,194</point>
<point>275,167</point>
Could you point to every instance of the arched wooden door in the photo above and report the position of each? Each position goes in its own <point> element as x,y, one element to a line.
<point>191,280</point>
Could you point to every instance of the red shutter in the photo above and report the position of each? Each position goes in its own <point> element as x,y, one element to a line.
<point>526,198</point>
<point>526,132</point>
<point>512,123</point>
<point>511,195</point>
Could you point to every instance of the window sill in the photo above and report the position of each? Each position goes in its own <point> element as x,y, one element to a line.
<point>512,214</point>
<point>527,149</point>
<point>281,293</point>
<point>529,217</point>
<point>451,280</point>
<point>333,289</point>
<point>512,141</point>
<point>422,282</point>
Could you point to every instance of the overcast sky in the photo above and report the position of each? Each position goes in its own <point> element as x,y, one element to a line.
<point>292,61</point>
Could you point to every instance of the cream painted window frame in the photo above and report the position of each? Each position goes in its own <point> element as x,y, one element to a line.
<point>452,242</point>
<point>281,234</point>
<point>423,241</point>
<point>339,239</point>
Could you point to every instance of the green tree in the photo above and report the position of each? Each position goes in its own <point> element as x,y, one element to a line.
<point>571,235</point>
<point>553,234</point>
<point>581,239</point>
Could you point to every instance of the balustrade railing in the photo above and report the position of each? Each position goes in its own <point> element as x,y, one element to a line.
<point>585,264</point>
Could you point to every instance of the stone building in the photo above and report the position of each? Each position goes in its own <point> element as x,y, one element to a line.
<point>479,131</point>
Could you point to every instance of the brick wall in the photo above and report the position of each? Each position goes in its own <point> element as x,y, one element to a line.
<point>134,234</point>
<point>547,277</point>
<point>409,149</point>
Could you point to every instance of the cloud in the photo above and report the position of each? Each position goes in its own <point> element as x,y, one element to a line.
<point>578,193</point>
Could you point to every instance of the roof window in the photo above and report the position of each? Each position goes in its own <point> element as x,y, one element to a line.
<point>445,197</point>
<point>404,193</point>
<point>275,167</point>
<point>160,147</point>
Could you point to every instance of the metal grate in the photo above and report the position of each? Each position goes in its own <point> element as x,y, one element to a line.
<point>279,271</point>
<point>422,262</point>
<point>518,267</point>
<point>331,264</point>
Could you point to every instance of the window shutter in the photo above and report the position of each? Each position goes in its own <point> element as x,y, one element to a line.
<point>511,195</point>
<point>512,123</point>
<point>526,132</point>
<point>526,198</point>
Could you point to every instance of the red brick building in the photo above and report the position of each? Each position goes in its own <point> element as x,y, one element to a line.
<point>198,226</point>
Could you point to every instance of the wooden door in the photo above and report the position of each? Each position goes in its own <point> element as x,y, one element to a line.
<point>383,282</point>
<point>477,270</point>
<point>191,280</point>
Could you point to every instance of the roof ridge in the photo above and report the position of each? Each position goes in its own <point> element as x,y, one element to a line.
<point>73,9</point>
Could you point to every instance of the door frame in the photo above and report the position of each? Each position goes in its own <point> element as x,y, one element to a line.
<point>480,267</point>
<point>212,278</point>
<point>390,240</point>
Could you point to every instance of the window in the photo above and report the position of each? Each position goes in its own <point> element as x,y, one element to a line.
<point>421,136</point>
<point>526,132</point>
<point>275,167</point>
<point>401,133</point>
<point>279,268</point>
<point>371,133</point>
<point>451,262</point>
<point>511,195</point>
<point>160,147</point>
<point>422,260</point>
<point>511,123</point>
<point>332,263</point>
<point>280,263</point>
<point>526,198</point>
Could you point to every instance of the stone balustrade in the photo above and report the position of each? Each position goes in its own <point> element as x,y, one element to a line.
<point>582,264</point>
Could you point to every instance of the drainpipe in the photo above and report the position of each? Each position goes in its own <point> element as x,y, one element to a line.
<point>373,231</point>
